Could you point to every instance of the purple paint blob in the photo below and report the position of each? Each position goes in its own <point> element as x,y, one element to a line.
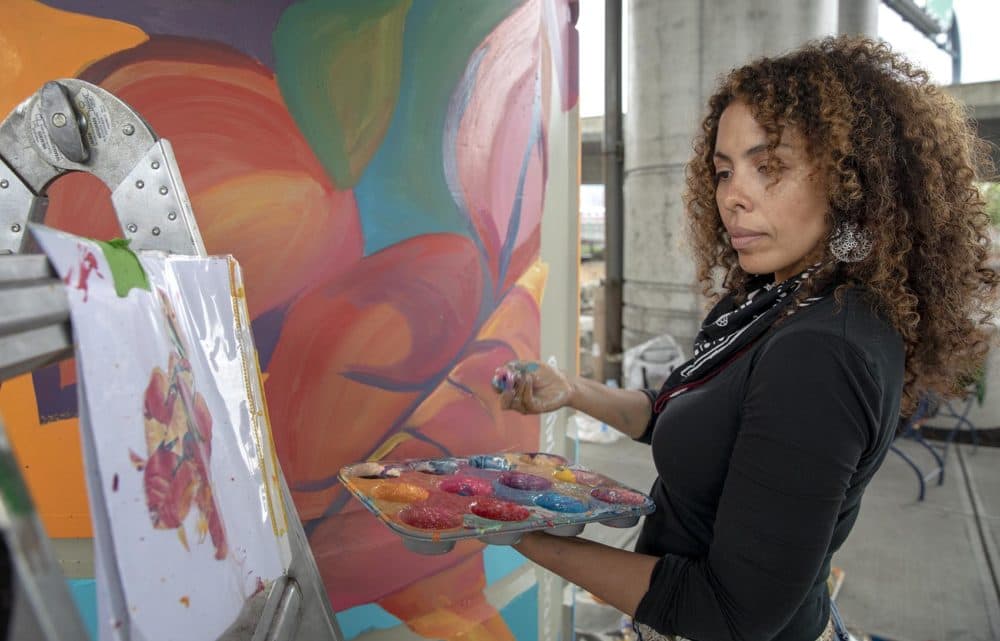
<point>522,481</point>
<point>618,495</point>
<point>467,486</point>
<point>427,517</point>
<point>497,510</point>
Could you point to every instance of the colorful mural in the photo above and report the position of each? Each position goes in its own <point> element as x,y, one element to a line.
<point>378,167</point>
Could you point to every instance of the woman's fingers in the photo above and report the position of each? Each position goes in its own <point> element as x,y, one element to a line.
<point>515,382</point>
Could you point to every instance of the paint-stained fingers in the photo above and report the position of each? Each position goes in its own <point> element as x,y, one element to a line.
<point>528,395</point>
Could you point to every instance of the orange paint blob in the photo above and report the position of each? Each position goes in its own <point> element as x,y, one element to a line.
<point>399,492</point>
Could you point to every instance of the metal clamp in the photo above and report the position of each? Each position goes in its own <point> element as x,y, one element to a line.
<point>72,125</point>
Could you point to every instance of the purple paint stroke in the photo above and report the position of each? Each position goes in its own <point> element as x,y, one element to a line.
<point>238,24</point>
<point>266,332</point>
<point>54,401</point>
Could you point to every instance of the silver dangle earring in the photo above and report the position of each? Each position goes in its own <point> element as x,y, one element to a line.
<point>850,243</point>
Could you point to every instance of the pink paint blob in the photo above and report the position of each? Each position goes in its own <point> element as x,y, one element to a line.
<point>522,481</point>
<point>584,477</point>
<point>467,486</point>
<point>427,517</point>
<point>618,495</point>
<point>497,510</point>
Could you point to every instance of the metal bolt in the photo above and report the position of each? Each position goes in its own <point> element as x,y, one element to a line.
<point>163,190</point>
<point>128,130</point>
<point>59,119</point>
<point>156,164</point>
<point>139,184</point>
<point>4,184</point>
<point>172,215</point>
<point>132,228</point>
<point>156,231</point>
<point>15,228</point>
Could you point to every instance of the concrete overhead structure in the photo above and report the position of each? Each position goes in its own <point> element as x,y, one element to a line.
<point>677,52</point>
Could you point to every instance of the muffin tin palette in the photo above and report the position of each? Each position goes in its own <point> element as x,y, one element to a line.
<point>496,498</point>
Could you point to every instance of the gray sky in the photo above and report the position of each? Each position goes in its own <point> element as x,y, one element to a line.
<point>978,23</point>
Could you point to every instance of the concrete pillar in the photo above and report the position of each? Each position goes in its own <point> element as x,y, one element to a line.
<point>677,51</point>
<point>858,17</point>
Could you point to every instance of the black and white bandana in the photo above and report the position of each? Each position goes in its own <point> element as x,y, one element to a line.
<point>730,328</point>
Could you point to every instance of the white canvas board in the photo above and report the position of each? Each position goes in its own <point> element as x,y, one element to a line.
<point>180,442</point>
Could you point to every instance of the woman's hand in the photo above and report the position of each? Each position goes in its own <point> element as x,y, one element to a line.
<point>530,387</point>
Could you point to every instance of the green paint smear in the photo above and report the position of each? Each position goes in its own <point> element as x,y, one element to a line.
<point>15,493</point>
<point>126,270</point>
<point>338,67</point>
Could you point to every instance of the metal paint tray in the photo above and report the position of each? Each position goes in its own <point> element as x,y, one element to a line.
<point>496,498</point>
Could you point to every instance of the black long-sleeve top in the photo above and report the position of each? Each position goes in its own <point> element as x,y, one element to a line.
<point>761,471</point>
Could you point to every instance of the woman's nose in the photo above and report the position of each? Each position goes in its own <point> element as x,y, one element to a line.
<point>734,196</point>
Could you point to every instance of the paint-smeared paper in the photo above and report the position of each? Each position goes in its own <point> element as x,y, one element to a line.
<point>189,521</point>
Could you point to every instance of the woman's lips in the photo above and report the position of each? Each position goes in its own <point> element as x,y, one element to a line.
<point>743,241</point>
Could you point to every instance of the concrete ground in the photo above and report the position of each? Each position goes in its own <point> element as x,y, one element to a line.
<point>914,570</point>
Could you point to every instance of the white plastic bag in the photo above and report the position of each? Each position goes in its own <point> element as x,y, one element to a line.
<point>648,364</point>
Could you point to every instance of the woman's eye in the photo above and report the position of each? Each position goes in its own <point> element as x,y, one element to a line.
<point>722,175</point>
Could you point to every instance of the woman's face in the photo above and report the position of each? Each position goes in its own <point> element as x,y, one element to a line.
<point>777,223</point>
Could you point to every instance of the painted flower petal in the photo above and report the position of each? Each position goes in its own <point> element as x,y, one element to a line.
<point>450,605</point>
<point>38,44</point>
<point>256,188</point>
<point>344,97</point>
<point>356,356</point>
<point>495,149</point>
<point>461,416</point>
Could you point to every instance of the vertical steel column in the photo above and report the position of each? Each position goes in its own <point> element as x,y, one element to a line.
<point>612,153</point>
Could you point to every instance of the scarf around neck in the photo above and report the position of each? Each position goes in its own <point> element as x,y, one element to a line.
<point>730,328</point>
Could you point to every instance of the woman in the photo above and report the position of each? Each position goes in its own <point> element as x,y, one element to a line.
<point>832,197</point>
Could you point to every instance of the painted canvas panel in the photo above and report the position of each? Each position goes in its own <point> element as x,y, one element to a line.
<point>379,169</point>
<point>188,517</point>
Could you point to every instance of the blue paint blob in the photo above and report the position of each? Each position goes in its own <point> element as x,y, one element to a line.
<point>489,462</point>
<point>561,503</point>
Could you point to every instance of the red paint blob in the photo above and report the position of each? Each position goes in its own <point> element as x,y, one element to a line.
<point>428,517</point>
<point>498,510</point>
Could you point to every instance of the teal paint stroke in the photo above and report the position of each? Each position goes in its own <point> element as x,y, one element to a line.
<point>521,615</point>
<point>365,618</point>
<point>84,593</point>
<point>499,561</point>
<point>403,191</point>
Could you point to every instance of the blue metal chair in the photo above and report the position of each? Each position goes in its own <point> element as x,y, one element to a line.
<point>911,430</point>
<point>932,406</point>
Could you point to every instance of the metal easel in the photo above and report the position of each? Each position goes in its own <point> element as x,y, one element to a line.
<point>71,125</point>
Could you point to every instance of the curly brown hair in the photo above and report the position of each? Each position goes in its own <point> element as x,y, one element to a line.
<point>902,161</point>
